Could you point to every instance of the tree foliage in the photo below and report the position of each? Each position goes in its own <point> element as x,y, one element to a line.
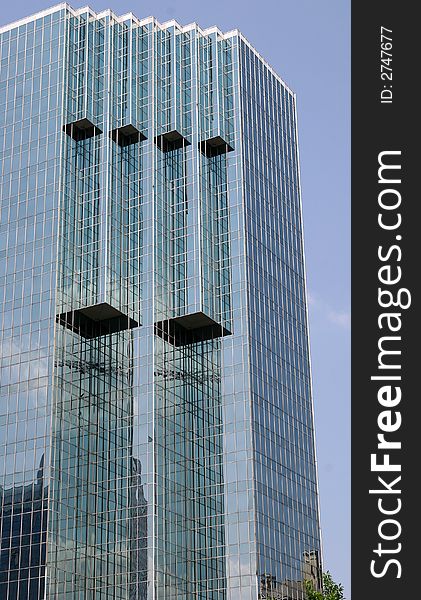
<point>331,590</point>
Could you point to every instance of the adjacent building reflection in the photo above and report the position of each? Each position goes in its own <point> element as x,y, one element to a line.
<point>271,589</point>
<point>138,535</point>
<point>24,511</point>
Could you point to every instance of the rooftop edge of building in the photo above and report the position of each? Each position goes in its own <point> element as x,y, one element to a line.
<point>132,17</point>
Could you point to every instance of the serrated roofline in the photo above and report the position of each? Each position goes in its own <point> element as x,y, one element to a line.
<point>141,22</point>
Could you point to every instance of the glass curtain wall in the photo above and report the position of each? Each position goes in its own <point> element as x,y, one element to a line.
<point>156,420</point>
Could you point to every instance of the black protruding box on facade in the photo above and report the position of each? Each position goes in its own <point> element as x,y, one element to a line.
<point>172,140</point>
<point>127,135</point>
<point>215,146</point>
<point>189,329</point>
<point>94,321</point>
<point>82,129</point>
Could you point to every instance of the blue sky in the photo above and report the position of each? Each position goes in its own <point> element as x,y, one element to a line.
<point>307,42</point>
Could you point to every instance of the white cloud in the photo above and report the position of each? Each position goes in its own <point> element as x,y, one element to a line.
<point>342,319</point>
<point>339,318</point>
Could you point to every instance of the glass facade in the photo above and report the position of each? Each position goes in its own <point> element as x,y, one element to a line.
<point>156,413</point>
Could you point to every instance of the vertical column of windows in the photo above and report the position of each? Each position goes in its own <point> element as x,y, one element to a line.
<point>286,492</point>
<point>31,56</point>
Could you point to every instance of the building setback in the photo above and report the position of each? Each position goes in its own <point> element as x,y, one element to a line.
<point>156,417</point>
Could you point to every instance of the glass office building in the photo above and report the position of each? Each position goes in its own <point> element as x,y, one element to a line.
<point>156,417</point>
